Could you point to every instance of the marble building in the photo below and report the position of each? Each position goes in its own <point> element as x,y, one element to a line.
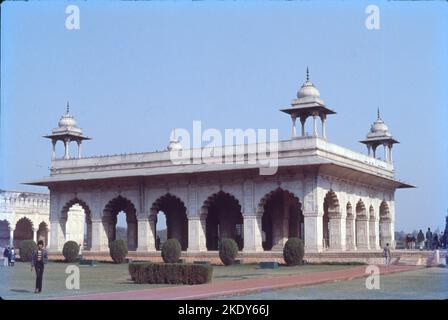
<point>24,216</point>
<point>334,198</point>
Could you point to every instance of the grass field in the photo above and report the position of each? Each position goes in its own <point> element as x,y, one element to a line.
<point>18,282</point>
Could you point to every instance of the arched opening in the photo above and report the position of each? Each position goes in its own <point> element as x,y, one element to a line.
<point>170,220</point>
<point>23,231</point>
<point>282,219</point>
<point>125,225</point>
<point>223,220</point>
<point>77,223</point>
<point>350,227</point>
<point>4,233</point>
<point>385,230</point>
<point>361,226</point>
<point>330,228</point>
<point>42,233</point>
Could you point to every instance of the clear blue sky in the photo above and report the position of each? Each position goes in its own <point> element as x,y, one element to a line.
<point>135,70</point>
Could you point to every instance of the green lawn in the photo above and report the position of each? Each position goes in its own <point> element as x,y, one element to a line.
<point>426,283</point>
<point>18,282</point>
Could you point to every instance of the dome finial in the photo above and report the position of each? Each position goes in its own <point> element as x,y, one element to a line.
<point>378,113</point>
<point>307,74</point>
<point>68,107</point>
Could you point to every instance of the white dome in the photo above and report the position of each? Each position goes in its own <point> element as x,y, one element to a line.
<point>378,128</point>
<point>67,121</point>
<point>308,90</point>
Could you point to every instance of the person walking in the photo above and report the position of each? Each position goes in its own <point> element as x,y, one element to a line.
<point>420,239</point>
<point>428,239</point>
<point>435,241</point>
<point>6,257</point>
<point>12,257</point>
<point>386,253</point>
<point>38,259</point>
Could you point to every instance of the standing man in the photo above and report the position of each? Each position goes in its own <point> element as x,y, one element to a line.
<point>38,260</point>
<point>420,239</point>
<point>6,257</point>
<point>386,253</point>
<point>429,239</point>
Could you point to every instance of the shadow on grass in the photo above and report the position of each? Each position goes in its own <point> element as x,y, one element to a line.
<point>21,290</point>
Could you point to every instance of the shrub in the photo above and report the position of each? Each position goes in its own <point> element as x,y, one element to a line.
<point>170,273</point>
<point>293,252</point>
<point>118,251</point>
<point>228,251</point>
<point>171,251</point>
<point>26,250</point>
<point>70,251</point>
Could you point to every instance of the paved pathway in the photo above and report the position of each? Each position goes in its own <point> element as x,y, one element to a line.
<point>237,287</point>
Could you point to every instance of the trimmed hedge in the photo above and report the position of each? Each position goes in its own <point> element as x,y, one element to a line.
<point>26,250</point>
<point>70,251</point>
<point>293,252</point>
<point>118,251</point>
<point>228,251</point>
<point>171,251</point>
<point>170,273</point>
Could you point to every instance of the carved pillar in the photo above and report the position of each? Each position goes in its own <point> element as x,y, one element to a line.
<point>337,234</point>
<point>146,239</point>
<point>57,230</point>
<point>99,235</point>
<point>302,121</point>
<point>362,233</point>
<point>252,233</point>
<point>11,237</point>
<point>196,234</point>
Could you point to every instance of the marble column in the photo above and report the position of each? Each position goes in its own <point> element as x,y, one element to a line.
<point>67,153</point>
<point>57,234</point>
<point>386,232</point>
<point>362,233</point>
<point>373,234</point>
<point>11,237</point>
<point>314,126</point>
<point>53,153</point>
<point>313,232</point>
<point>99,235</point>
<point>323,118</point>
<point>302,121</point>
<point>146,238</point>
<point>196,234</point>
<point>350,233</point>
<point>337,233</point>
<point>252,233</point>
<point>35,235</point>
<point>294,132</point>
<point>79,149</point>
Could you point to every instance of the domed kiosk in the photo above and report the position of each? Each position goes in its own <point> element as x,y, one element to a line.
<point>67,131</point>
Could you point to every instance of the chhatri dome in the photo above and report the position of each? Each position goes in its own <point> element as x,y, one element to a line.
<point>67,120</point>
<point>308,89</point>
<point>378,128</point>
<point>379,135</point>
<point>67,131</point>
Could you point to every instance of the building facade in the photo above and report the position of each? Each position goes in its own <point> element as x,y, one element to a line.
<point>24,216</point>
<point>333,198</point>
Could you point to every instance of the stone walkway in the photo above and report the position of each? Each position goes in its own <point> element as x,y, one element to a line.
<point>237,287</point>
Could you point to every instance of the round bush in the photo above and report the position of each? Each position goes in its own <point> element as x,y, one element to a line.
<point>118,251</point>
<point>70,251</point>
<point>228,251</point>
<point>171,251</point>
<point>293,252</point>
<point>26,250</point>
